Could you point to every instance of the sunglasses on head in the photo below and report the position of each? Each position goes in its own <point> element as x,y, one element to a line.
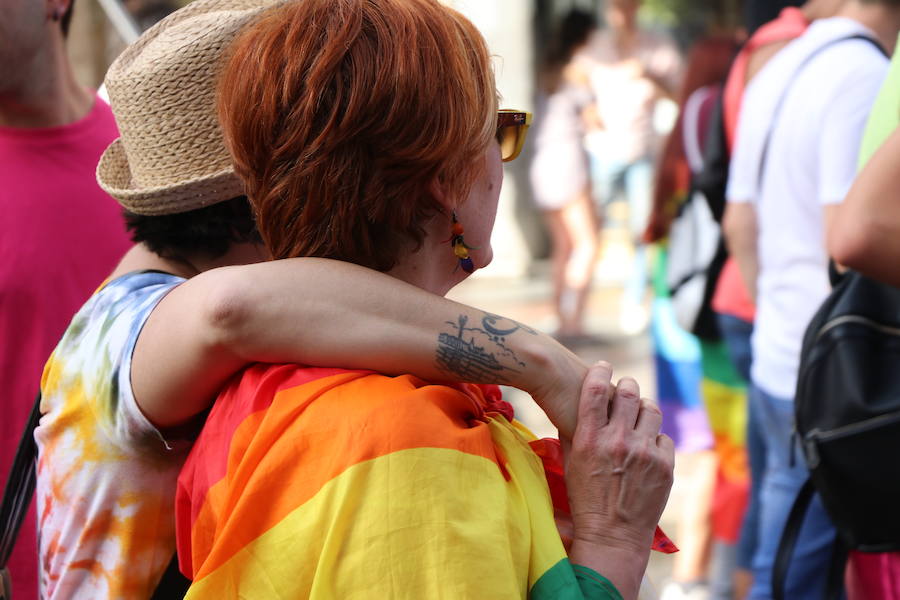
<point>512,125</point>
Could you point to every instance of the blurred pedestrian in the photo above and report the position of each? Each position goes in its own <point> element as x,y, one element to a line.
<point>60,235</point>
<point>559,175</point>
<point>734,307</point>
<point>798,136</point>
<point>709,415</point>
<point>629,70</point>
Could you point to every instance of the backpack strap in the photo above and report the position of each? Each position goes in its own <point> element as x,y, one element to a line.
<point>19,486</point>
<point>17,495</point>
<point>789,539</point>
<point>784,92</point>
<point>835,585</point>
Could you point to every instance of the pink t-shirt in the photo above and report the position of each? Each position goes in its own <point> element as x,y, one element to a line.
<point>731,296</point>
<point>60,236</point>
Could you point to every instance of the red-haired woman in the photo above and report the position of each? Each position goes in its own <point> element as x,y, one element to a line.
<point>367,131</point>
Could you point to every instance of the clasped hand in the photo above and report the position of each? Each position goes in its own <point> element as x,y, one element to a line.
<point>619,471</point>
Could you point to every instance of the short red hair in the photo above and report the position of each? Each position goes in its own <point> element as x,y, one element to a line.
<point>341,113</point>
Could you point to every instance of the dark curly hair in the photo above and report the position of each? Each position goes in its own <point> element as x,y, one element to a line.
<point>209,231</point>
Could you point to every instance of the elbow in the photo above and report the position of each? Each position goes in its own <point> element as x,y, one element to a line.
<point>848,243</point>
<point>226,309</point>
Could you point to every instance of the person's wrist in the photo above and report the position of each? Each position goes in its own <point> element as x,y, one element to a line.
<point>553,377</point>
<point>536,353</point>
<point>615,538</point>
<point>623,566</point>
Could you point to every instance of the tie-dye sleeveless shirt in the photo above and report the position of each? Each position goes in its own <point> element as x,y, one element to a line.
<point>106,475</point>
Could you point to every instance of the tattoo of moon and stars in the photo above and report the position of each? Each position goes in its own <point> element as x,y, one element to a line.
<point>480,353</point>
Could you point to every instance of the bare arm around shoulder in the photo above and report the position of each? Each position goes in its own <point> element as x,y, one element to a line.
<point>320,312</point>
<point>864,233</point>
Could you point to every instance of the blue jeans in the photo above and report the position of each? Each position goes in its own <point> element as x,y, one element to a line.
<point>780,484</point>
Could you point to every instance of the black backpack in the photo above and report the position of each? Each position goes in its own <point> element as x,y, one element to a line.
<point>847,418</point>
<point>697,250</point>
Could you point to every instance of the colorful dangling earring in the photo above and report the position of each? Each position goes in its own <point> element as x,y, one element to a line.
<point>458,243</point>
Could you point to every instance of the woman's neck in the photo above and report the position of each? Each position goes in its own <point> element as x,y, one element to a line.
<point>432,267</point>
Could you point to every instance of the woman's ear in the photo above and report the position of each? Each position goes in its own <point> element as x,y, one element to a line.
<point>439,191</point>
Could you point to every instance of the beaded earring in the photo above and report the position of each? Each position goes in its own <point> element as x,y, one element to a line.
<point>460,249</point>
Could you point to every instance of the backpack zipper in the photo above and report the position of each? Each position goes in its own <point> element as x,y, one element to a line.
<point>816,436</point>
<point>859,320</point>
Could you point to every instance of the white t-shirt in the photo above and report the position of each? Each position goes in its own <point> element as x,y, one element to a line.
<point>810,163</point>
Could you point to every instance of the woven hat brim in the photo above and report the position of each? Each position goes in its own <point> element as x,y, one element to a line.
<point>114,176</point>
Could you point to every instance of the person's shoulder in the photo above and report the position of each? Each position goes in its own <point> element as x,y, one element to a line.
<point>363,396</point>
<point>839,40</point>
<point>825,59</point>
<point>848,59</point>
<point>374,409</point>
<point>129,289</point>
<point>789,24</point>
<point>361,392</point>
<point>95,345</point>
<point>114,309</point>
<point>130,292</point>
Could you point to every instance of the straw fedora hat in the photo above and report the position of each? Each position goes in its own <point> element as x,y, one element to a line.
<point>171,156</point>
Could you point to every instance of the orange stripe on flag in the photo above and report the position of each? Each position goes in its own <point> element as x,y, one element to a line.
<point>278,459</point>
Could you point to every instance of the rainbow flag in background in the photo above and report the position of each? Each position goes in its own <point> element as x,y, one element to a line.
<point>677,362</point>
<point>325,483</point>
<point>725,398</point>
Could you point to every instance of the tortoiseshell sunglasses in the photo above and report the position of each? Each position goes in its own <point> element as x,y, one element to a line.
<point>512,126</point>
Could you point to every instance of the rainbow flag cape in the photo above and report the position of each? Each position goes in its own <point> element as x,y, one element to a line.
<point>325,483</point>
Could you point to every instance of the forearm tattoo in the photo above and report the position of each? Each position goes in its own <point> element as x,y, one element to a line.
<point>480,353</point>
